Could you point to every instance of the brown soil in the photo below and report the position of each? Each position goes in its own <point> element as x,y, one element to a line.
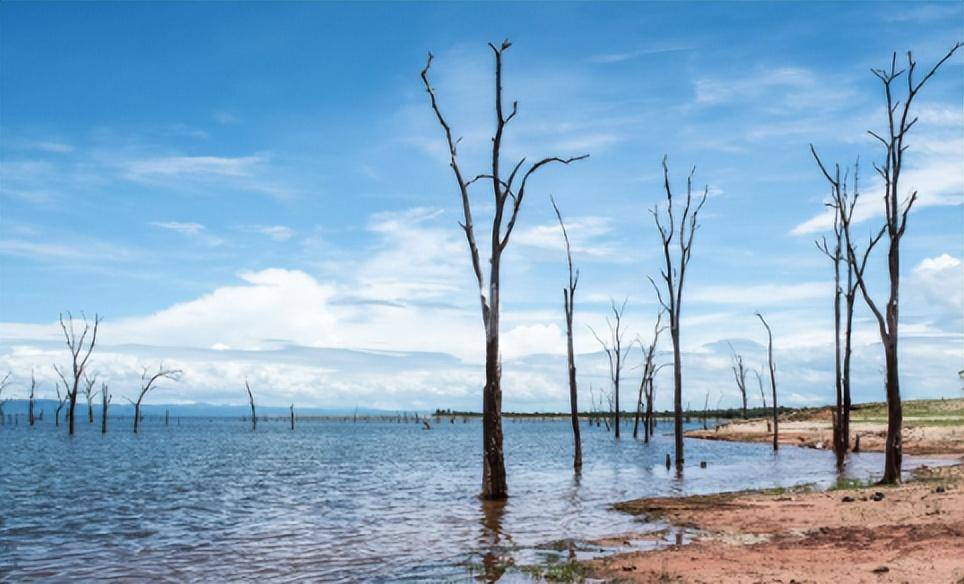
<point>817,432</point>
<point>915,533</point>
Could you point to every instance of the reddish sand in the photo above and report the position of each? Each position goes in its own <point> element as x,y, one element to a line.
<point>818,433</point>
<point>915,533</point>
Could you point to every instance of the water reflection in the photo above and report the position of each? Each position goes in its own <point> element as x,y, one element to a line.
<point>495,542</point>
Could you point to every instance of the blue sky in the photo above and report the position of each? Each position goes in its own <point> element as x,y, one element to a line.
<point>251,189</point>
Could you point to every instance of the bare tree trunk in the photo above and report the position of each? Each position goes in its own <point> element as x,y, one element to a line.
<point>773,381</point>
<point>254,414</point>
<point>105,403</point>
<point>31,401</point>
<point>137,415</point>
<point>673,274</point>
<point>899,123</point>
<point>291,410</point>
<point>494,486</point>
<point>568,299</point>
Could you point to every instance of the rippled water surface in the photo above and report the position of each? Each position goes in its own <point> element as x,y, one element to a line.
<point>376,501</point>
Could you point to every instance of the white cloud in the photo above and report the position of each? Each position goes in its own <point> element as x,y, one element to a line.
<point>179,227</point>
<point>275,232</point>
<point>942,281</point>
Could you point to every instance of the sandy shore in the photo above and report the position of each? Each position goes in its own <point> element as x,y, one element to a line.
<point>910,533</point>
<point>938,431</point>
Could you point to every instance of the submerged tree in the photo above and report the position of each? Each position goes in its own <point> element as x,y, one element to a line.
<point>80,348</point>
<point>61,401</point>
<point>104,404</point>
<point>89,394</point>
<point>148,382</point>
<point>843,205</point>
<point>568,300</point>
<point>506,191</point>
<point>31,399</point>
<point>291,410</point>
<point>674,275</point>
<point>254,414</point>
<point>739,373</point>
<point>773,380</point>
<point>646,383</point>
<point>899,124</point>
<point>614,351</point>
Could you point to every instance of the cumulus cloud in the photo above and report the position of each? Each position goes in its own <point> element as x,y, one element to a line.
<point>942,281</point>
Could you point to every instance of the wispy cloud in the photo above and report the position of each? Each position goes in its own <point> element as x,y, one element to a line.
<point>607,58</point>
<point>196,231</point>
<point>275,232</point>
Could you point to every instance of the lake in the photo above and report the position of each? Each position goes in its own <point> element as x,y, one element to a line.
<point>340,501</point>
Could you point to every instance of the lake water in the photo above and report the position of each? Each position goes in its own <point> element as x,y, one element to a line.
<point>339,501</point>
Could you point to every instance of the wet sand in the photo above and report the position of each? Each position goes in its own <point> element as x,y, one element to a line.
<point>909,533</point>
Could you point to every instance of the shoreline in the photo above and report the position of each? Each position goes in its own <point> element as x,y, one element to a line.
<point>913,532</point>
<point>930,427</point>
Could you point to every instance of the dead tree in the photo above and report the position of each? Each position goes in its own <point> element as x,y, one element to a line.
<point>254,415</point>
<point>61,401</point>
<point>614,351</point>
<point>899,124</point>
<point>80,348</point>
<point>568,299</point>
<point>646,384</point>
<point>759,381</point>
<point>291,410</point>
<point>31,399</point>
<point>148,382</point>
<point>739,373</point>
<point>89,394</point>
<point>505,190</point>
<point>773,380</point>
<point>674,274</point>
<point>104,404</point>
<point>843,205</point>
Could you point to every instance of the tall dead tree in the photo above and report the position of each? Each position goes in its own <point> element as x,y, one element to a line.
<point>148,382</point>
<point>89,394</point>
<point>568,299</point>
<point>899,124</point>
<point>254,414</point>
<point>80,348</point>
<point>504,190</point>
<point>843,205</point>
<point>773,380</point>
<point>674,275</point>
<point>31,399</point>
<point>104,404</point>
<point>739,373</point>
<point>614,351</point>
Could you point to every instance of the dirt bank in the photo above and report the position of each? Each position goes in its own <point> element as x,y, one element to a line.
<point>930,427</point>
<point>910,533</point>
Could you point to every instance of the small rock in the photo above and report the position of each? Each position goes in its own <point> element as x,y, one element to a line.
<point>702,464</point>
<point>939,490</point>
<point>878,496</point>
<point>881,570</point>
<point>848,499</point>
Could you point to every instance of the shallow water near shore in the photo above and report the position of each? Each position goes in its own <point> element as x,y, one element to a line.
<point>340,501</point>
